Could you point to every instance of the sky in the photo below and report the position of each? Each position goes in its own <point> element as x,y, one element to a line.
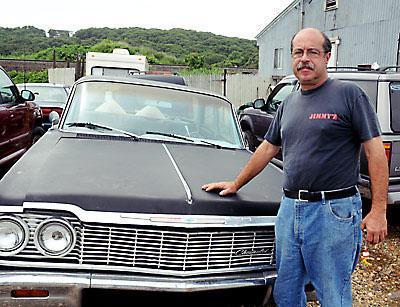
<point>244,19</point>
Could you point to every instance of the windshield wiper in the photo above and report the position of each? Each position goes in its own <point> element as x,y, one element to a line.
<point>181,137</point>
<point>212,144</point>
<point>95,126</point>
<point>171,135</point>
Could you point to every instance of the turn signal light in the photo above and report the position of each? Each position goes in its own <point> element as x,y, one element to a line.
<point>29,293</point>
<point>388,150</point>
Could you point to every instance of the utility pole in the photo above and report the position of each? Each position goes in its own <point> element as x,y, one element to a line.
<point>302,13</point>
<point>398,54</point>
<point>54,58</point>
<point>224,80</point>
<point>78,67</point>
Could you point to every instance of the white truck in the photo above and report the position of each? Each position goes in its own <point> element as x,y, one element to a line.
<point>118,63</point>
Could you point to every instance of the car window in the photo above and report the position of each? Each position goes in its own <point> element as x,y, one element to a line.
<point>395,105</point>
<point>47,93</point>
<point>8,93</point>
<point>280,95</point>
<point>370,88</point>
<point>139,109</point>
<point>114,71</point>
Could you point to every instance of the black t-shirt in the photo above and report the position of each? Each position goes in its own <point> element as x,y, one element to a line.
<point>321,132</point>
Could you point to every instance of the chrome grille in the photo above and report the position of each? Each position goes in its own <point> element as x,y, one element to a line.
<point>158,250</point>
<point>176,250</point>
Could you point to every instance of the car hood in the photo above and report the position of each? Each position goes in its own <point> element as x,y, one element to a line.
<point>50,104</point>
<point>102,173</point>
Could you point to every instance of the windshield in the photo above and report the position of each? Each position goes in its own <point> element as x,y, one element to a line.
<point>47,93</point>
<point>282,93</point>
<point>150,112</point>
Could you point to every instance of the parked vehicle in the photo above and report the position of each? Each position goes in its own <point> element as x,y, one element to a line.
<point>174,79</point>
<point>50,97</point>
<point>255,120</point>
<point>118,63</point>
<point>124,209</point>
<point>20,121</point>
<point>383,89</point>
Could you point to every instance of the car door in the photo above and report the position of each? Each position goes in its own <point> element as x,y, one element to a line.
<point>14,125</point>
<point>4,137</point>
<point>267,112</point>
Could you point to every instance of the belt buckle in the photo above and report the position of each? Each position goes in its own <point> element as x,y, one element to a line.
<point>302,191</point>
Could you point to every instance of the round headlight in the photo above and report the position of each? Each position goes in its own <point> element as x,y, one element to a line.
<point>14,235</point>
<point>55,237</point>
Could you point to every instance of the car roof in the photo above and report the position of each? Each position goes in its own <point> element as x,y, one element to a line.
<point>288,79</point>
<point>148,82</point>
<point>43,84</point>
<point>174,79</point>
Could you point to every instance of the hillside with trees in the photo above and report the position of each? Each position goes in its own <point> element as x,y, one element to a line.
<point>176,46</point>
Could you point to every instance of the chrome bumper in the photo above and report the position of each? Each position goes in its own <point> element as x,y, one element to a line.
<point>393,191</point>
<point>65,289</point>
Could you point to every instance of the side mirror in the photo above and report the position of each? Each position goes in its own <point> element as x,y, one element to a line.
<point>27,95</point>
<point>258,103</point>
<point>54,118</point>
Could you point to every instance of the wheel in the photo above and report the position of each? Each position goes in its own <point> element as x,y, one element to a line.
<point>37,134</point>
<point>249,138</point>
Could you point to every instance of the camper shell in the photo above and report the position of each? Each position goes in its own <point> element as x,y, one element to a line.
<point>119,63</point>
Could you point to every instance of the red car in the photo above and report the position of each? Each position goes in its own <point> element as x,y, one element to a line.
<point>50,97</point>
<point>20,121</point>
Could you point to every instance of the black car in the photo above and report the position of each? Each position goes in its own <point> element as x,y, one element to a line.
<point>109,203</point>
<point>255,119</point>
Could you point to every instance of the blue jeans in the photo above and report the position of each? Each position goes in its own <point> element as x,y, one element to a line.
<point>318,242</point>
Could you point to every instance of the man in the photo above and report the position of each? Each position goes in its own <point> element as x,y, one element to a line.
<point>318,227</point>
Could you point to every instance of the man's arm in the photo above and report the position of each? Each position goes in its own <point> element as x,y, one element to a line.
<point>375,222</point>
<point>259,160</point>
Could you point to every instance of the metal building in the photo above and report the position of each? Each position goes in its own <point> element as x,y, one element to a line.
<point>362,32</point>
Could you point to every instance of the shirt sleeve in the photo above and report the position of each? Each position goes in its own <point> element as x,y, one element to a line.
<point>273,134</point>
<point>364,119</point>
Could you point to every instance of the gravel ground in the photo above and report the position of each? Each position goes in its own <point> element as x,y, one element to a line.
<point>377,282</point>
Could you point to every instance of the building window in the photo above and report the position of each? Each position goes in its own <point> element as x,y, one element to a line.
<point>278,56</point>
<point>330,5</point>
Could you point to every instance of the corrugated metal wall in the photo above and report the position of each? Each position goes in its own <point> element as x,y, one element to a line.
<point>239,88</point>
<point>368,31</point>
<point>278,36</point>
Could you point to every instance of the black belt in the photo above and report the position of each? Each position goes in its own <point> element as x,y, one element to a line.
<point>305,195</point>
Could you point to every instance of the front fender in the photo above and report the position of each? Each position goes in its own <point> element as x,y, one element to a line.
<point>246,123</point>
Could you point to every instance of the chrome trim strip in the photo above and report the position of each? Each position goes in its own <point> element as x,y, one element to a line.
<point>143,283</point>
<point>99,268</point>
<point>14,277</point>
<point>393,198</point>
<point>78,281</point>
<point>189,199</point>
<point>11,209</point>
<point>187,221</point>
<point>14,155</point>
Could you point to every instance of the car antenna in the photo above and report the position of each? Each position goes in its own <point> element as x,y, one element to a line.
<point>23,72</point>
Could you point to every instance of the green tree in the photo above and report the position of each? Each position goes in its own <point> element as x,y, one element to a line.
<point>195,60</point>
<point>30,76</point>
<point>175,46</point>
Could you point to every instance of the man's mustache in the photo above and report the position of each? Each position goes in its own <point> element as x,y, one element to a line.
<point>308,65</point>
